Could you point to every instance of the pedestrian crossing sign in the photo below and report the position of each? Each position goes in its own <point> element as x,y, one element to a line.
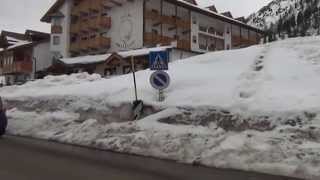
<point>158,60</point>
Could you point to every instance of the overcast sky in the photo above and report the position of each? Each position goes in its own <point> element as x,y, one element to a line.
<point>18,15</point>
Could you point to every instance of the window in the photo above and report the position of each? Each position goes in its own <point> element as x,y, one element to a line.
<point>202,28</point>
<point>110,71</point>
<point>56,40</point>
<point>194,39</point>
<point>194,20</point>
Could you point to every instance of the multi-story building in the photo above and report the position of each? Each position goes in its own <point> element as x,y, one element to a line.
<point>91,27</point>
<point>24,56</point>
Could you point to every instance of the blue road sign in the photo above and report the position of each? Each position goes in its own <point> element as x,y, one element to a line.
<point>160,80</point>
<point>158,60</point>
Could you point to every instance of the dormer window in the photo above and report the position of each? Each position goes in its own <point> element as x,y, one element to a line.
<point>57,21</point>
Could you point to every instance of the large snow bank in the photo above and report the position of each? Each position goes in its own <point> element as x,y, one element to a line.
<point>287,80</point>
<point>252,109</point>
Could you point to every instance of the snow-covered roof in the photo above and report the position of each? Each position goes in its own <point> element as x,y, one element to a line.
<point>101,58</point>
<point>143,51</point>
<point>15,42</point>
<point>86,59</point>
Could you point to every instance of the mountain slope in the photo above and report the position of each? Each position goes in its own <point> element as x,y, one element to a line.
<point>288,17</point>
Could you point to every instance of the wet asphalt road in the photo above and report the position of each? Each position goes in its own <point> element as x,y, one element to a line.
<point>26,159</point>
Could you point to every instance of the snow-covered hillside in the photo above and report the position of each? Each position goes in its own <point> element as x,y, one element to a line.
<point>293,17</point>
<point>252,109</point>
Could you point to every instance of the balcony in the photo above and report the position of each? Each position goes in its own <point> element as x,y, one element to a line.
<point>184,44</point>
<point>75,11</point>
<point>152,15</point>
<point>96,23</point>
<point>74,47</point>
<point>75,28</point>
<point>84,26</point>
<point>83,44</point>
<point>171,20</point>
<point>185,24</point>
<point>99,42</point>
<point>152,38</point>
<point>105,22</point>
<point>18,67</point>
<point>84,6</point>
<point>203,47</point>
<point>165,40</point>
<point>95,5</point>
<point>56,29</point>
<point>243,42</point>
<point>93,23</point>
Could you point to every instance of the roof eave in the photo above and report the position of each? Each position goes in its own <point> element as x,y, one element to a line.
<point>46,18</point>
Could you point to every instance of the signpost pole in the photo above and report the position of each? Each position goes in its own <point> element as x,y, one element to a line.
<point>134,77</point>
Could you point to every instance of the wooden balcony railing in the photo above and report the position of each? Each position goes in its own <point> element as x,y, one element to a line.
<point>95,5</point>
<point>93,23</point>
<point>165,40</point>
<point>152,15</point>
<point>185,24</point>
<point>171,20</point>
<point>56,29</point>
<point>184,44</point>
<point>74,47</point>
<point>152,38</point>
<point>84,26</point>
<point>105,22</point>
<point>99,42</point>
<point>83,45</point>
<point>75,28</point>
<point>84,6</point>
<point>18,67</point>
<point>238,41</point>
<point>75,11</point>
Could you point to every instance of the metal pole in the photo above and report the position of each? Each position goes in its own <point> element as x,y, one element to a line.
<point>35,67</point>
<point>134,77</point>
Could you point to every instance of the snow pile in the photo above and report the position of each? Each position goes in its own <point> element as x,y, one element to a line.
<point>251,109</point>
<point>35,88</point>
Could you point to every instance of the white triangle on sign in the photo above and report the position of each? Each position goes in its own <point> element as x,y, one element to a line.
<point>158,63</point>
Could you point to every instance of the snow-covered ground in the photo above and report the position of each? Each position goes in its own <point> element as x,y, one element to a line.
<point>252,109</point>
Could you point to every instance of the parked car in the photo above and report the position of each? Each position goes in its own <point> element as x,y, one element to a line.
<point>3,118</point>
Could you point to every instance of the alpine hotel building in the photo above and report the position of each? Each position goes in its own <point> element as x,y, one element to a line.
<point>95,27</point>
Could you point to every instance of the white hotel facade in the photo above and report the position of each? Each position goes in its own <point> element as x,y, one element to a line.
<point>95,27</point>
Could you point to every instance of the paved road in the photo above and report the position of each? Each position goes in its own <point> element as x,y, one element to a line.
<point>26,159</point>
